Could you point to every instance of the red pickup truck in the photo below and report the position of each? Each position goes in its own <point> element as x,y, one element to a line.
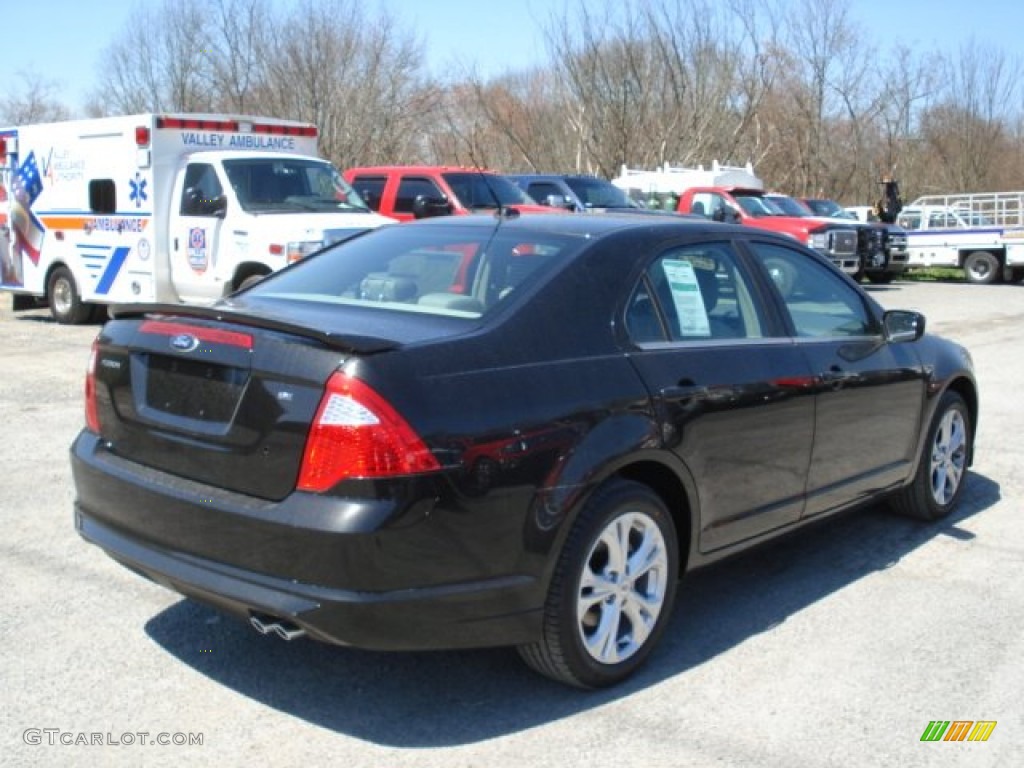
<point>739,205</point>
<point>407,192</point>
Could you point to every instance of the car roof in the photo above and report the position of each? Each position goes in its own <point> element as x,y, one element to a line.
<point>599,223</point>
<point>417,169</point>
<point>542,176</point>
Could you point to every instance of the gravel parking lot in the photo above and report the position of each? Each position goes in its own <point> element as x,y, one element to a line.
<point>835,647</point>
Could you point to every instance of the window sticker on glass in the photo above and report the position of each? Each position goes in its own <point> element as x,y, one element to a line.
<point>687,298</point>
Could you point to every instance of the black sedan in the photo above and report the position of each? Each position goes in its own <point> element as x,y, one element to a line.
<point>500,431</point>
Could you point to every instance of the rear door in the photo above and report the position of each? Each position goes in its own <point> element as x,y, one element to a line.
<point>869,393</point>
<point>736,401</point>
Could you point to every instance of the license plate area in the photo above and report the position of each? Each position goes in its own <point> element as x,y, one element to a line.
<point>196,390</point>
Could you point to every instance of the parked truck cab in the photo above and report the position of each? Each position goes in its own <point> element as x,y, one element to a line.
<point>162,208</point>
<point>835,240</point>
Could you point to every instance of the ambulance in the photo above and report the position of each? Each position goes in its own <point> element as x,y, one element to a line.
<point>168,208</point>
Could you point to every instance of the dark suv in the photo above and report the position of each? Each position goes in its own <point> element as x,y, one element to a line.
<point>574,192</point>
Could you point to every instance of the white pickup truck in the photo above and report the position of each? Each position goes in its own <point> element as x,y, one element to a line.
<point>981,233</point>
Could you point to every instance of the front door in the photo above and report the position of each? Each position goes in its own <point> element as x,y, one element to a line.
<point>869,392</point>
<point>195,232</point>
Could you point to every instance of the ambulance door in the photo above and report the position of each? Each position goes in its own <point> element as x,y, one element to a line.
<point>195,230</point>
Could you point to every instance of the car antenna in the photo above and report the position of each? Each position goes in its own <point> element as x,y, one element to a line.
<point>502,211</point>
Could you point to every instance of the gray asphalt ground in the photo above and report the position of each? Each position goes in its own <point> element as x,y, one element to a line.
<point>835,647</point>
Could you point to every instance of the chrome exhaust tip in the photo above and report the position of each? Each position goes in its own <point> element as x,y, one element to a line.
<point>283,629</point>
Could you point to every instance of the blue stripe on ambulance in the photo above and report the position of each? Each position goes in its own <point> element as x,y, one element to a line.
<point>117,260</point>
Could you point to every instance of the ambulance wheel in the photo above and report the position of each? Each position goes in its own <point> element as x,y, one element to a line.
<point>66,303</point>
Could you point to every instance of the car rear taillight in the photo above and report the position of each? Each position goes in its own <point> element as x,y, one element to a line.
<point>92,414</point>
<point>357,433</point>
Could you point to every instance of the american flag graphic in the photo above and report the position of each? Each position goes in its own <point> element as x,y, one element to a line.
<point>27,182</point>
<point>28,230</point>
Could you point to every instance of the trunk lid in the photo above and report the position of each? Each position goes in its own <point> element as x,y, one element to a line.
<point>226,404</point>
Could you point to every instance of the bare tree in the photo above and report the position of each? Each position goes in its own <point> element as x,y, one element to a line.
<point>242,32</point>
<point>649,83</point>
<point>358,78</point>
<point>823,102</point>
<point>967,129</point>
<point>160,62</point>
<point>33,102</point>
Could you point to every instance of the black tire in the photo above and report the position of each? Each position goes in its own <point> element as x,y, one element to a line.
<point>593,612</point>
<point>66,305</point>
<point>99,313</point>
<point>881,278</point>
<point>1013,274</point>
<point>939,482</point>
<point>982,268</point>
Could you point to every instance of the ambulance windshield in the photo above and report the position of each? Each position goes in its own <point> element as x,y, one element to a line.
<point>286,185</point>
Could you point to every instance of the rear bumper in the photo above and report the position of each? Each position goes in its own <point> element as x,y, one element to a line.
<point>355,575</point>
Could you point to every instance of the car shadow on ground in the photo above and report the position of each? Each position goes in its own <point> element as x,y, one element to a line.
<point>441,699</point>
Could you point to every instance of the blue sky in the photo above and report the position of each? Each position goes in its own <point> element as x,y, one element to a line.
<point>62,40</point>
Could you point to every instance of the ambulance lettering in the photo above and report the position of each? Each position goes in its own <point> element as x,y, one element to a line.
<point>197,256</point>
<point>213,140</point>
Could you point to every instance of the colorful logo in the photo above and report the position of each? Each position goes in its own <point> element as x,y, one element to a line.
<point>197,257</point>
<point>26,186</point>
<point>958,730</point>
<point>138,189</point>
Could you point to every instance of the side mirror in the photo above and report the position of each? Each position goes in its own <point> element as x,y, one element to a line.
<point>424,207</point>
<point>902,325</point>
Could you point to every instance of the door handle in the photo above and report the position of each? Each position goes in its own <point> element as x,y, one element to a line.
<point>837,378</point>
<point>684,390</point>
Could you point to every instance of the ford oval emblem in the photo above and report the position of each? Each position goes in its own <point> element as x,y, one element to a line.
<point>184,342</point>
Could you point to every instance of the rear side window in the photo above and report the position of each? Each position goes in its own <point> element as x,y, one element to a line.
<point>693,293</point>
<point>102,196</point>
<point>459,273</point>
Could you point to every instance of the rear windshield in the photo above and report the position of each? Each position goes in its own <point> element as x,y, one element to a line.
<point>457,271</point>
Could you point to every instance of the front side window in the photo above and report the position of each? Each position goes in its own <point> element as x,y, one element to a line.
<point>910,220</point>
<point>694,292</point>
<point>819,302</point>
<point>756,205</point>
<point>370,189</point>
<point>412,187</point>
<point>201,191</point>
